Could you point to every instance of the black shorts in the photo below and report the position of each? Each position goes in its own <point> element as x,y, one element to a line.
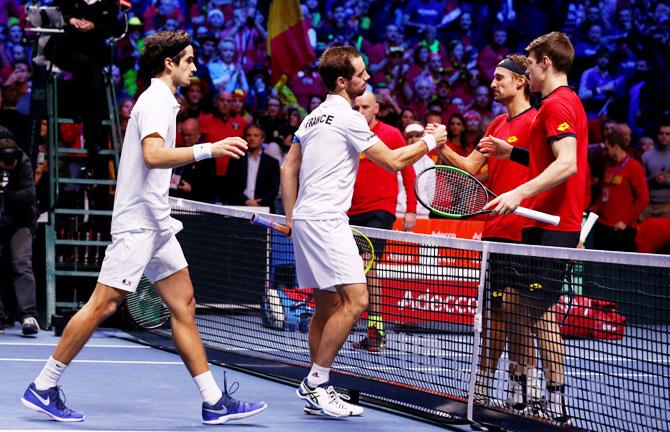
<point>540,280</point>
<point>498,267</point>
<point>375,219</point>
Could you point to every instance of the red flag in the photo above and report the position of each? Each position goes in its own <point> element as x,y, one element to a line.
<point>288,44</point>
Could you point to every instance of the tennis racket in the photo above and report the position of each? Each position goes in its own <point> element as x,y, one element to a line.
<point>365,247</point>
<point>145,307</point>
<point>453,193</point>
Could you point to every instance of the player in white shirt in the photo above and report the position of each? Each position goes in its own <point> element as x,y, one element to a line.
<point>317,180</point>
<point>143,238</point>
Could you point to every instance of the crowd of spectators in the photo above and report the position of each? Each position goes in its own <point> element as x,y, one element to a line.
<point>428,60</point>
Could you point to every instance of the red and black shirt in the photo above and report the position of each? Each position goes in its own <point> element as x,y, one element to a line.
<point>505,175</point>
<point>561,115</point>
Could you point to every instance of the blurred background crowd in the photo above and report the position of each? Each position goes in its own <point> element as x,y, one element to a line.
<point>429,60</point>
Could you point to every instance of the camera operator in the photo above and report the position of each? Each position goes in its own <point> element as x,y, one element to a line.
<point>17,221</point>
<point>82,50</point>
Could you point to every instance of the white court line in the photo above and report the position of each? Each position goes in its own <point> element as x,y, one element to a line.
<point>71,430</point>
<point>97,361</point>
<point>85,346</point>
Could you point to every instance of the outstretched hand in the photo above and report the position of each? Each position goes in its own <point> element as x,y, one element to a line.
<point>491,146</point>
<point>234,147</point>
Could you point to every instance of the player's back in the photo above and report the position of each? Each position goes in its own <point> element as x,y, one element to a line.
<point>331,139</point>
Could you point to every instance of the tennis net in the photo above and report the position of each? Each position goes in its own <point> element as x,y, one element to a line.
<point>491,332</point>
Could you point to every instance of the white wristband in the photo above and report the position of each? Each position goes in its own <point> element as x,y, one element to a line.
<point>202,151</point>
<point>429,139</point>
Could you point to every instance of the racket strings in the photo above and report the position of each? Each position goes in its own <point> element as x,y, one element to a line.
<point>456,193</point>
<point>146,307</point>
<point>363,245</point>
<point>365,249</point>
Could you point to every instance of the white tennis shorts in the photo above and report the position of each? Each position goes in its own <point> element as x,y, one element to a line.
<point>156,254</point>
<point>326,254</point>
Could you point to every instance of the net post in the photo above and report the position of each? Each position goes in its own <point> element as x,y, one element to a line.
<point>477,339</point>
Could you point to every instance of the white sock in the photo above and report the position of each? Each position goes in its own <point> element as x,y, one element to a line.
<point>209,390</point>
<point>318,375</point>
<point>50,374</point>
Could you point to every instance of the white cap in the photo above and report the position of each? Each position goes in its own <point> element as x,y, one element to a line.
<point>414,127</point>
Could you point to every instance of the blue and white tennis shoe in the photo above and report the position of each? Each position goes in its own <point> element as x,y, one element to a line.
<point>50,403</point>
<point>228,408</point>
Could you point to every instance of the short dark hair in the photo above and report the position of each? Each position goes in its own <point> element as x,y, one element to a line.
<point>458,116</point>
<point>7,140</point>
<point>9,150</point>
<point>616,138</point>
<point>336,62</point>
<point>556,46</point>
<point>434,113</point>
<point>254,126</point>
<point>162,45</point>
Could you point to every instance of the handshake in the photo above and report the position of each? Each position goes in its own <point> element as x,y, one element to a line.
<point>438,132</point>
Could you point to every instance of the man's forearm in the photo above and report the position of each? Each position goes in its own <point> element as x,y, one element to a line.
<point>405,156</point>
<point>169,158</point>
<point>289,192</point>
<point>468,164</point>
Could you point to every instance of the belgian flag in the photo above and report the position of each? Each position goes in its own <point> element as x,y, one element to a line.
<point>288,44</point>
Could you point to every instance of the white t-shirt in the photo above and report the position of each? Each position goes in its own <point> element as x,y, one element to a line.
<point>142,193</point>
<point>331,138</point>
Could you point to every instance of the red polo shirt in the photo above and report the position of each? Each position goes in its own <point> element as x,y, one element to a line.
<point>505,175</point>
<point>377,189</point>
<point>561,115</point>
<point>214,129</point>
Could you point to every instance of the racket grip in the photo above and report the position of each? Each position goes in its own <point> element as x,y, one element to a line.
<point>257,219</point>
<point>588,225</point>
<point>534,214</point>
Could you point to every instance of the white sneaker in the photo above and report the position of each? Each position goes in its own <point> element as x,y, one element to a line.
<point>516,393</point>
<point>555,406</point>
<point>326,401</point>
<point>483,387</point>
<point>534,390</point>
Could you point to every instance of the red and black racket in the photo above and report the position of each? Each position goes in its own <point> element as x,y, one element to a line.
<point>453,193</point>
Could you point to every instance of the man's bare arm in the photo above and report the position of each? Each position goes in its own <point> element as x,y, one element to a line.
<point>157,156</point>
<point>397,159</point>
<point>289,180</point>
<point>556,173</point>
<point>471,164</point>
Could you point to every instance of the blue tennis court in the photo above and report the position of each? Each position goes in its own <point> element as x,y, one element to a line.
<point>125,386</point>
